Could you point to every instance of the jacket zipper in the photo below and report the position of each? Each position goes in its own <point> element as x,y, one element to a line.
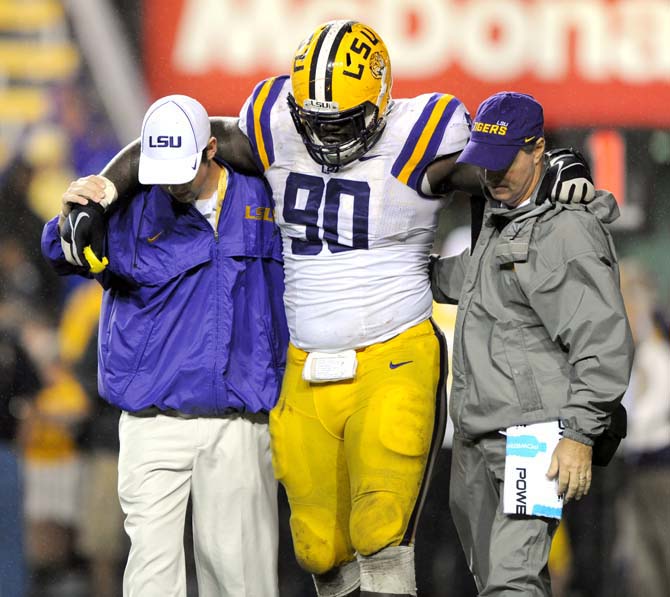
<point>466,309</point>
<point>215,378</point>
<point>221,193</point>
<point>139,229</point>
<point>217,323</point>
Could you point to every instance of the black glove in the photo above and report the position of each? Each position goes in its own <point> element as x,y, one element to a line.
<point>83,235</point>
<point>567,178</point>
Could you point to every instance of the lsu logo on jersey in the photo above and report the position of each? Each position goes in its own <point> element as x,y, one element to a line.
<point>266,214</point>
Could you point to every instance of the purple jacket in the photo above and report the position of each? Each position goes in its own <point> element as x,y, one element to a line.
<point>191,320</point>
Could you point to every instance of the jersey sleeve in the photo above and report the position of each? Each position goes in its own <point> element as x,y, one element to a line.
<point>255,119</point>
<point>442,128</point>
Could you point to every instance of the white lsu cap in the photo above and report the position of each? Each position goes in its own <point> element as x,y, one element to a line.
<point>175,131</point>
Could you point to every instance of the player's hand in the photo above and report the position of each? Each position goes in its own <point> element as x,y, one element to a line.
<point>96,189</point>
<point>82,237</point>
<point>567,178</point>
<point>571,464</point>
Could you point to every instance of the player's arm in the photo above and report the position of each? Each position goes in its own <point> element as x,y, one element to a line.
<point>233,148</point>
<point>567,178</point>
<point>444,175</point>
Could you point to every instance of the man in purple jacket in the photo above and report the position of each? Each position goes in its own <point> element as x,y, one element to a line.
<point>192,349</point>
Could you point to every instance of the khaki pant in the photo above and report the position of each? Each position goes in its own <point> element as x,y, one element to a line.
<point>224,465</point>
<point>506,554</point>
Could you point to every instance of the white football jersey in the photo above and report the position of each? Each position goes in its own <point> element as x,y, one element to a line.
<point>356,242</point>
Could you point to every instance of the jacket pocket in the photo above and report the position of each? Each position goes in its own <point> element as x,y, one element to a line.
<point>107,315</point>
<point>126,342</point>
<point>139,356</point>
<point>521,371</point>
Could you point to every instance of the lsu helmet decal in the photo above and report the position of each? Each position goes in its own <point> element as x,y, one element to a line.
<point>341,82</point>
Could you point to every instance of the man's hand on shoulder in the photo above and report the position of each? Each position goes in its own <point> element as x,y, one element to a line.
<point>567,178</point>
<point>82,221</point>
<point>85,190</point>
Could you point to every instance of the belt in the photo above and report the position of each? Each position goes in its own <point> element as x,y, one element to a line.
<point>154,411</point>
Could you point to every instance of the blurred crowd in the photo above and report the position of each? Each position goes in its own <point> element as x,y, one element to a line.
<point>62,432</point>
<point>59,440</point>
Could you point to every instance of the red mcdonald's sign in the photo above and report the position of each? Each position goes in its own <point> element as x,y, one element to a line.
<point>590,62</point>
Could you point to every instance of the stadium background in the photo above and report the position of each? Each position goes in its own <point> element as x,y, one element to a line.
<point>75,79</point>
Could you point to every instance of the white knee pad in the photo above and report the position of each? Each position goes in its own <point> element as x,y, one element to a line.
<point>390,570</point>
<point>339,582</point>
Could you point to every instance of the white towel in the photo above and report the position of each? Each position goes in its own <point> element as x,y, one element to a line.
<point>528,492</point>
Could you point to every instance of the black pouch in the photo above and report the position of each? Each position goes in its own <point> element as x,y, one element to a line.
<point>606,444</point>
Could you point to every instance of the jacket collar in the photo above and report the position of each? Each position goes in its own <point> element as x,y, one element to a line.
<point>603,206</point>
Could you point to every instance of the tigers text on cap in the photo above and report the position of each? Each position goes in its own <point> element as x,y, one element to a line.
<point>504,122</point>
<point>175,131</point>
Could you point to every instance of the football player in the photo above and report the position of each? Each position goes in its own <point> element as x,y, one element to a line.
<point>362,411</point>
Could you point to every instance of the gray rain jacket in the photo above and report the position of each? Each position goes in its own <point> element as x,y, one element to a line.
<point>541,332</point>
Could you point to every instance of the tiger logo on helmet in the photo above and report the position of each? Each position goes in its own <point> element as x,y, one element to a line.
<point>341,82</point>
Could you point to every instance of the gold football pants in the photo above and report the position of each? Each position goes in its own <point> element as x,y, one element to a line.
<point>354,456</point>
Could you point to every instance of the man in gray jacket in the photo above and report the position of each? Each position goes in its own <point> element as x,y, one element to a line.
<point>541,335</point>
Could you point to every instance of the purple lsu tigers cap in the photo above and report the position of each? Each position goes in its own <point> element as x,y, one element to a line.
<point>504,123</point>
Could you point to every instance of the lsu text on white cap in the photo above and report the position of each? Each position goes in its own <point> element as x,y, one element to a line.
<point>175,131</point>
